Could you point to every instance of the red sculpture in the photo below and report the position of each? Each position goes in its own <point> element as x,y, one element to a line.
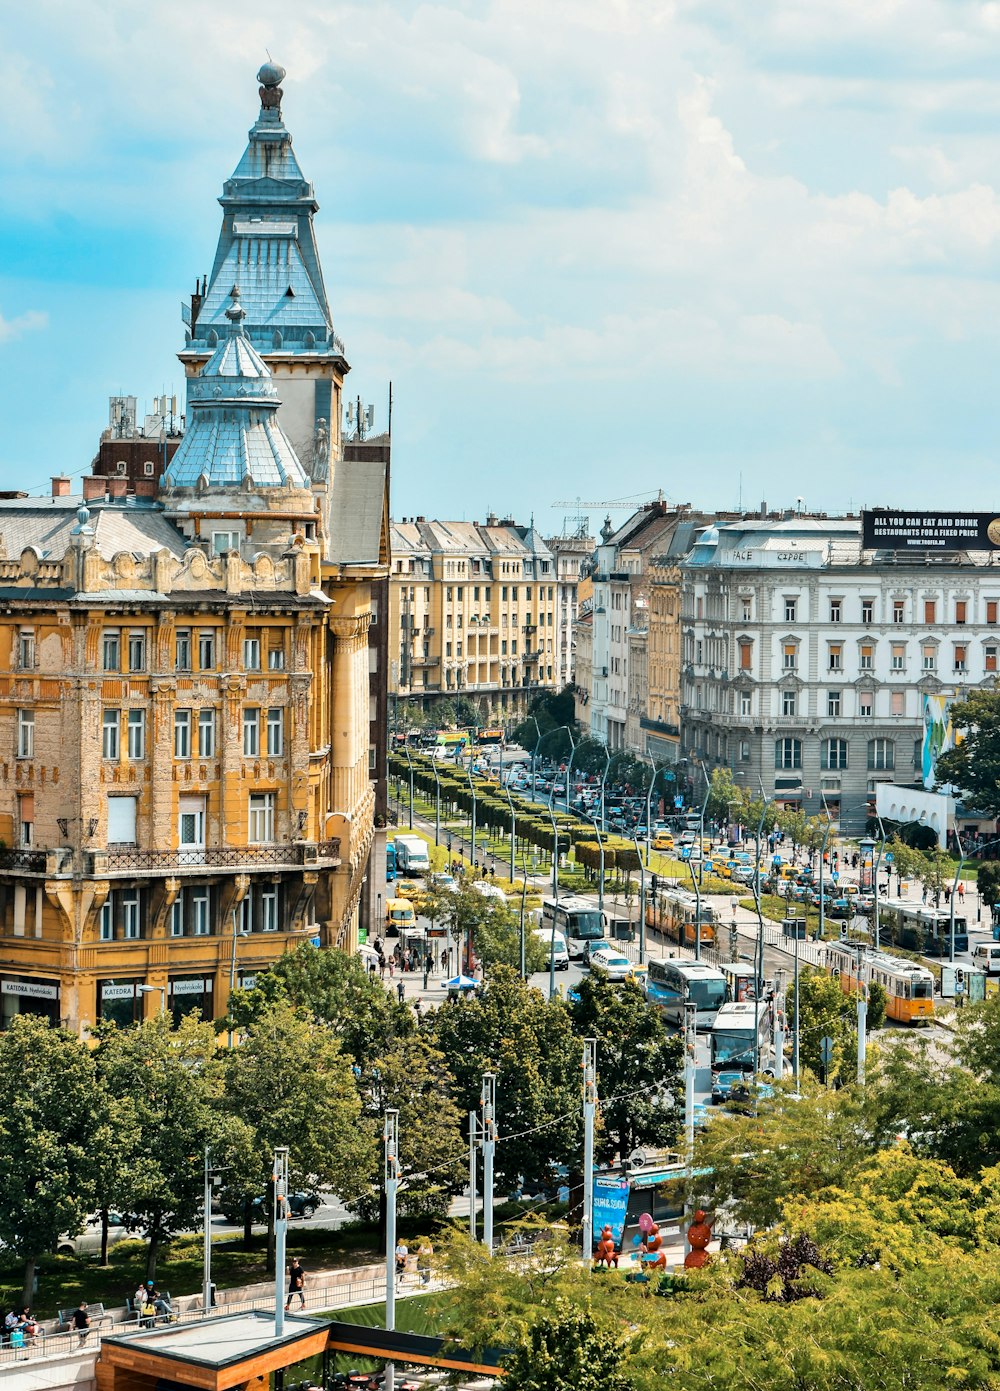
<point>699,1235</point>
<point>606,1253</point>
<point>651,1257</point>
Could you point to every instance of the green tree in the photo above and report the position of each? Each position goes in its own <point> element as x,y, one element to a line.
<point>494,927</point>
<point>988,882</point>
<point>334,987</point>
<point>825,1012</point>
<point>638,1065</point>
<point>973,765</point>
<point>168,1084</point>
<point>567,1350</point>
<point>49,1125</point>
<point>527,1041</point>
<point>414,1080</point>
<point>290,1083</point>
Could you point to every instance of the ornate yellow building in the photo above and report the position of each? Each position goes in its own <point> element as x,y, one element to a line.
<point>186,689</point>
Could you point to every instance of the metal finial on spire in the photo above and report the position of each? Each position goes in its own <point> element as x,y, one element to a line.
<point>235,313</point>
<point>270,78</point>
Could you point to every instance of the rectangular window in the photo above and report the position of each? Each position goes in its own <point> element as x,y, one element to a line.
<point>928,658</point>
<point>26,820</point>
<point>833,754</point>
<point>747,606</point>
<point>182,734</point>
<point>836,657</point>
<point>251,733</point>
<point>275,733</point>
<point>788,702</point>
<point>833,704</point>
<point>182,649</point>
<point>206,651</point>
<point>121,820</point>
<point>991,610</point>
<point>867,610</point>
<point>990,658</point>
<point>251,654</point>
<point>866,702</point>
<point>899,610</point>
<point>896,702</point>
<point>789,653</point>
<point>108,920</point>
<point>136,734</point>
<point>961,611</point>
<point>881,755</point>
<point>177,916</point>
<point>110,726</point>
<point>191,823</point>
<point>898,656</point>
<point>130,914</point>
<point>137,651</point>
<point>199,912</point>
<point>261,817</point>
<point>867,657</point>
<point>960,658</point>
<point>835,609</point>
<point>26,649</point>
<point>206,733</point>
<point>930,611</point>
<point>223,541</point>
<point>791,608</point>
<point>275,659</point>
<point>788,753</point>
<point>269,909</point>
<point>25,733</point>
<point>746,701</point>
<point>112,645</point>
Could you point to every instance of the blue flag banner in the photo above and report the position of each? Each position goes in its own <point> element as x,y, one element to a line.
<point>610,1206</point>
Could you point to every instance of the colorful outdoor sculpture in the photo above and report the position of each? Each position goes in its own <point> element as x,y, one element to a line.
<point>649,1242</point>
<point>699,1235</point>
<point>606,1254</point>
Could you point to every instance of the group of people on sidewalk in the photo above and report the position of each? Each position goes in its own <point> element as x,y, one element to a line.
<point>20,1327</point>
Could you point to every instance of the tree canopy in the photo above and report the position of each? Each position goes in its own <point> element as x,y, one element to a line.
<point>973,765</point>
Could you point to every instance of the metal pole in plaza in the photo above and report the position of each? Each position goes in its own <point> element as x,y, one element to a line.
<point>701,823</point>
<point>642,902</point>
<point>649,800</point>
<point>279,1179</point>
<point>472,1174</point>
<point>954,895</point>
<point>472,789</point>
<point>878,860</point>
<point>690,1065</point>
<point>600,850</point>
<point>795,1029</point>
<point>589,1112</point>
<point>437,802</point>
<point>489,1134</point>
<point>697,909</point>
<point>206,1273</point>
<point>779,1025</point>
<point>390,1139</point>
<point>513,831</point>
<point>409,763</point>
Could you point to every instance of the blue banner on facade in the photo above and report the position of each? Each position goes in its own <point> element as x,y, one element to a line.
<point>610,1206</point>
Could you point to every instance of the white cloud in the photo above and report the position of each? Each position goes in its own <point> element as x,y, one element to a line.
<point>24,323</point>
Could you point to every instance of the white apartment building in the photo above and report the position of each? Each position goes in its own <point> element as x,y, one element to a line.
<point>808,663</point>
<point>571,555</point>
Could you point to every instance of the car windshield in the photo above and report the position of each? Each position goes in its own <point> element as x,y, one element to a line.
<point>732,1045</point>
<point>707,994</point>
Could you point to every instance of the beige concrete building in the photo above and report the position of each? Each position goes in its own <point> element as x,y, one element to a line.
<point>572,557</point>
<point>472,612</point>
<point>661,718</point>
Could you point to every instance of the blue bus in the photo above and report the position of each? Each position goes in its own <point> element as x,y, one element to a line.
<point>390,861</point>
<point>670,984</point>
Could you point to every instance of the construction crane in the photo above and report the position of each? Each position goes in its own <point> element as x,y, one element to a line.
<point>627,502</point>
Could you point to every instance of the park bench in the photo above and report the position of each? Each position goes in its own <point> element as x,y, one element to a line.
<point>98,1319</point>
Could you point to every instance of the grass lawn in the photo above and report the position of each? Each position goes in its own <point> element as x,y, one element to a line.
<point>64,1280</point>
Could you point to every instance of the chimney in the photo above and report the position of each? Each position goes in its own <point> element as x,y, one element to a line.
<point>117,487</point>
<point>60,486</point>
<point>93,487</point>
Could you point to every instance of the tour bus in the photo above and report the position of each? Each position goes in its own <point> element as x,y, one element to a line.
<point>451,739</point>
<point>670,984</point>
<point>921,928</point>
<point>489,738</point>
<point>390,860</point>
<point>909,987</point>
<point>674,912</point>
<point>577,919</point>
<point>741,1036</point>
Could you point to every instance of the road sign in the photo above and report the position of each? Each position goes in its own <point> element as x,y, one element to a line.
<point>668,777</point>
<point>637,1159</point>
<point>685,852</point>
<point>888,857</point>
<point>826,1051</point>
<point>835,875</point>
<point>678,801</point>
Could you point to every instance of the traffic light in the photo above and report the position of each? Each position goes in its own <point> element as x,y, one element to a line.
<point>655,883</point>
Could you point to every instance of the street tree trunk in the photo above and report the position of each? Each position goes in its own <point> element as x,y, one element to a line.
<point>104,1236</point>
<point>27,1291</point>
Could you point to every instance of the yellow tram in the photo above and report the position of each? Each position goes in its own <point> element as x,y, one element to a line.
<point>908,986</point>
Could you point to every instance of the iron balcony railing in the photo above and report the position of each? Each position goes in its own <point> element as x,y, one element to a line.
<point>129,858</point>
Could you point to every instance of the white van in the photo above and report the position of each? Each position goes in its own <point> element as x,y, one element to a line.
<point>560,953</point>
<point>986,957</point>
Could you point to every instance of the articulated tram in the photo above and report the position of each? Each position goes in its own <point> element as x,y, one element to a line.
<point>675,914</point>
<point>909,987</point>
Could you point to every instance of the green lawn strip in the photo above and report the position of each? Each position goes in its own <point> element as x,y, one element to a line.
<point>414,1314</point>
<point>773,906</point>
<point>64,1280</point>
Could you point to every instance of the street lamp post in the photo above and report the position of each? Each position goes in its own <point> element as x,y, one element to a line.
<point>409,764</point>
<point>604,779</point>
<point>600,849</point>
<point>642,902</point>
<point>148,990</point>
<point>701,823</point>
<point>954,895</point>
<point>513,830</point>
<point>437,801</point>
<point>237,934</point>
<point>649,800</point>
<point>822,861</point>
<point>472,789</point>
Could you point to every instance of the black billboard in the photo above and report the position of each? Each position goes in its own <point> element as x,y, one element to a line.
<point>886,529</point>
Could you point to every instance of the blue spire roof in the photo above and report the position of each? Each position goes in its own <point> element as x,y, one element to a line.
<point>267,245</point>
<point>232,435</point>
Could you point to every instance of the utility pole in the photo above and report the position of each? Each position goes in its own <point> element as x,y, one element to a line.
<point>589,1111</point>
<point>206,1281</point>
<point>690,1064</point>
<point>473,1128</point>
<point>779,1025</point>
<point>489,1141</point>
<point>862,1019</point>
<point>798,1012</point>
<point>390,1139</point>
<point>279,1179</point>
<point>642,902</point>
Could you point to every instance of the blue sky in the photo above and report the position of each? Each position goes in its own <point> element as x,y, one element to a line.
<point>723,249</point>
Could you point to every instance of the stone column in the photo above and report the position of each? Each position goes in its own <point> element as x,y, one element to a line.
<point>349,711</point>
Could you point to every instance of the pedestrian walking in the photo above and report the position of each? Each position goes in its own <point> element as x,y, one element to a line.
<point>392,967</point>
<point>296,1284</point>
<point>961,891</point>
<point>401,990</point>
<point>381,968</point>
<point>81,1321</point>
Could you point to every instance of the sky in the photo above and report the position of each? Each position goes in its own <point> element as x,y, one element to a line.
<point>601,248</point>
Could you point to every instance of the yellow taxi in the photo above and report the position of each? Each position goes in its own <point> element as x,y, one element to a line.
<point>637,975</point>
<point>663,840</point>
<point>408,888</point>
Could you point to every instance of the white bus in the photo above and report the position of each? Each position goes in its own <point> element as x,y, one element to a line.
<point>734,1032</point>
<point>671,983</point>
<point>577,919</point>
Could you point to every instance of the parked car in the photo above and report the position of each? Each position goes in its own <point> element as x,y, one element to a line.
<point>723,1084</point>
<point>90,1239</point>
<point>617,966</point>
<point>299,1205</point>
